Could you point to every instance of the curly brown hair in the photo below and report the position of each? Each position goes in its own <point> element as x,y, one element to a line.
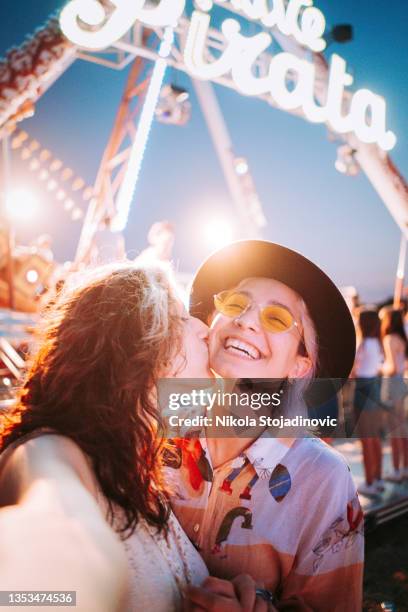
<point>102,348</point>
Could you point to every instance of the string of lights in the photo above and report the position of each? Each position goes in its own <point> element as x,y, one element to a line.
<point>58,179</point>
<point>138,148</point>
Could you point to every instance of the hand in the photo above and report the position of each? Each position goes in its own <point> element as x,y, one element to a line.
<point>216,595</point>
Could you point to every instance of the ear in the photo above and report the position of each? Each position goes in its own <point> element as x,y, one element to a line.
<point>301,367</point>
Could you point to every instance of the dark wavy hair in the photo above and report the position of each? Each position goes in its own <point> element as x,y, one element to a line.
<point>370,324</point>
<point>392,323</point>
<point>101,350</point>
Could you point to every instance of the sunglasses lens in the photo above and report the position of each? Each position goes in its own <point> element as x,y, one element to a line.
<point>231,304</point>
<point>276,319</point>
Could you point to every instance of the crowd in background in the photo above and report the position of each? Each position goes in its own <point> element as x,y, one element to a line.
<point>379,393</point>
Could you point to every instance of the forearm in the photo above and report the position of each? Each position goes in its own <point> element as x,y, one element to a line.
<point>48,546</point>
<point>336,591</point>
<point>52,530</point>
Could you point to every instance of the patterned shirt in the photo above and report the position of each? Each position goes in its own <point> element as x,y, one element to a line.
<point>284,511</point>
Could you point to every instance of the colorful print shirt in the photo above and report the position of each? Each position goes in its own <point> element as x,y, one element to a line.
<point>284,511</point>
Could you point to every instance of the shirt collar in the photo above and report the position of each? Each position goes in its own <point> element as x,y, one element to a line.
<point>266,452</point>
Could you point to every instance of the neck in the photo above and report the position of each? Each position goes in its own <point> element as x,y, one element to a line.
<point>227,445</point>
<point>223,449</point>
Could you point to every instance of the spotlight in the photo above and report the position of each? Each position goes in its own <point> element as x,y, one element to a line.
<point>218,232</point>
<point>21,204</point>
<point>32,276</point>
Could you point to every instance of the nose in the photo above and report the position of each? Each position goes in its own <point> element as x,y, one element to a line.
<point>249,319</point>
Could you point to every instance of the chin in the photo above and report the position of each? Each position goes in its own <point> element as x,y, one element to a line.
<point>229,370</point>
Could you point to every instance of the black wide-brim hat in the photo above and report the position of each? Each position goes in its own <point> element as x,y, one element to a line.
<point>231,264</point>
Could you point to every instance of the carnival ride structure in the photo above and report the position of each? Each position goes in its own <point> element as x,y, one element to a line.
<point>29,71</point>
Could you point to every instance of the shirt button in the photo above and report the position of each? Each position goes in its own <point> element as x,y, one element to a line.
<point>196,527</point>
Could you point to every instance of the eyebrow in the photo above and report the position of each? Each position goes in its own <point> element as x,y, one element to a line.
<point>269,302</point>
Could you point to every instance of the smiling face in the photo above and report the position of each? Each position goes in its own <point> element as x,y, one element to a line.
<point>240,347</point>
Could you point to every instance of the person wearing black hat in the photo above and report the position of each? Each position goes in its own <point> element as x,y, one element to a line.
<point>331,317</point>
<point>284,510</point>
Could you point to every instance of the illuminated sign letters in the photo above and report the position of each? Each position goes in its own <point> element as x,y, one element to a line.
<point>87,24</point>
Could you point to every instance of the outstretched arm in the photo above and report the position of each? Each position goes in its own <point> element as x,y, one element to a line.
<point>53,534</point>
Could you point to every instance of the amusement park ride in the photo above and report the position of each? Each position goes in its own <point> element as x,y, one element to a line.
<point>149,36</point>
<point>153,35</point>
<point>282,64</point>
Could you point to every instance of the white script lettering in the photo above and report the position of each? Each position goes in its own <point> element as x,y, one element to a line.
<point>90,25</point>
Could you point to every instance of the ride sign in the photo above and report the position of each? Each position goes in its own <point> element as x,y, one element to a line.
<point>88,24</point>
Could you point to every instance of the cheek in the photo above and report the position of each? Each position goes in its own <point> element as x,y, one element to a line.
<point>212,345</point>
<point>216,327</point>
<point>283,348</point>
<point>178,366</point>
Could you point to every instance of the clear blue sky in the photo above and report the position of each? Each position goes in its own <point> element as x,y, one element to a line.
<point>337,221</point>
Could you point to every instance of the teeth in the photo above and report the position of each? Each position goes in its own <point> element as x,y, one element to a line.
<point>243,347</point>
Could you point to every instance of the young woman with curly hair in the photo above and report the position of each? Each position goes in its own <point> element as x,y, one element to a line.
<point>81,451</point>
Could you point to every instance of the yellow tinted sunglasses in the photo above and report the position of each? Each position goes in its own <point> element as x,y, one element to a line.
<point>274,317</point>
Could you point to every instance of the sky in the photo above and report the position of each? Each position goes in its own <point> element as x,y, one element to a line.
<point>337,221</point>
